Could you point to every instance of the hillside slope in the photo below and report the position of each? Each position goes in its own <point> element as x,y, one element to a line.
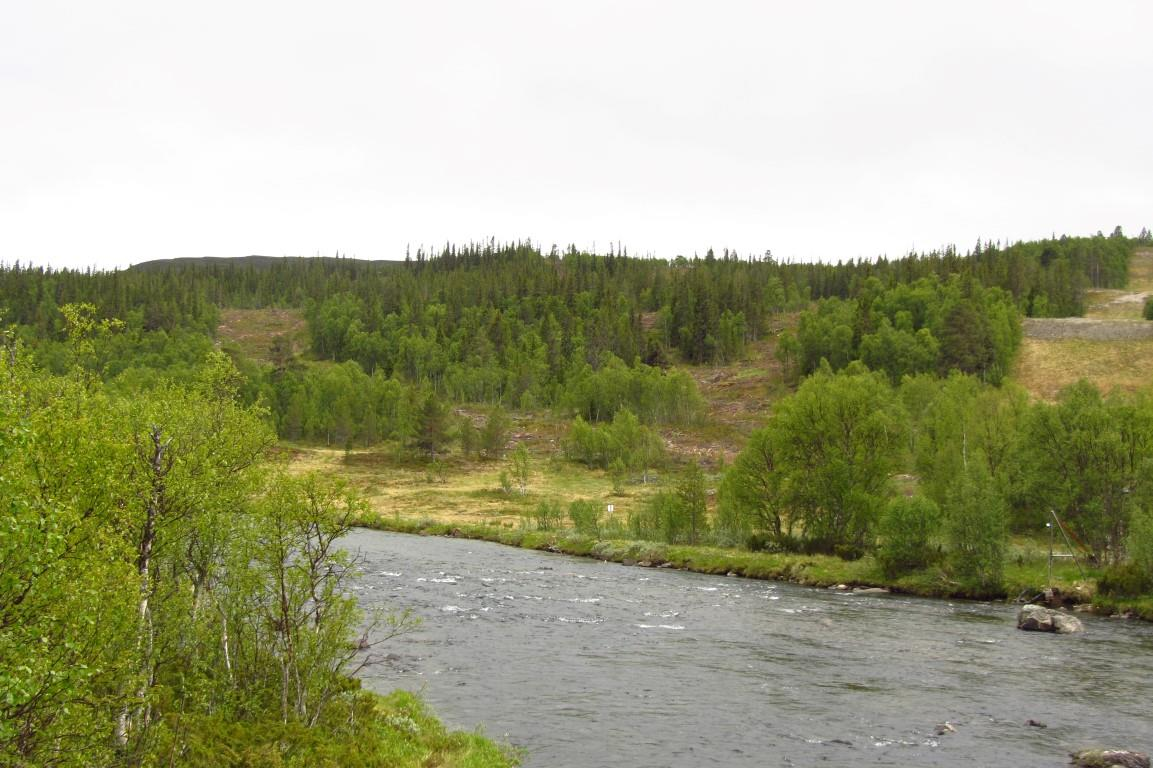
<point>1111,346</point>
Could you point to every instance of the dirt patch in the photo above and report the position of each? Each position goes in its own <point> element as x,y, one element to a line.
<point>738,399</point>
<point>1128,303</point>
<point>1087,328</point>
<point>1107,304</point>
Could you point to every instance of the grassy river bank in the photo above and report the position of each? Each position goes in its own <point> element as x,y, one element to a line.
<point>1026,568</point>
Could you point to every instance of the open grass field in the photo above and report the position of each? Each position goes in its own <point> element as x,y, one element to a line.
<point>462,492</point>
<point>1115,350</point>
<point>1045,366</point>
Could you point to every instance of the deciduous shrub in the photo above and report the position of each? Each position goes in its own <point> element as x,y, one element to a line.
<point>585,517</point>
<point>906,531</point>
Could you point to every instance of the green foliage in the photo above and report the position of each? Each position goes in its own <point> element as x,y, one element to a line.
<point>338,404</point>
<point>1125,580</point>
<point>693,505</point>
<point>827,334</point>
<point>788,352</point>
<point>507,323</point>
<point>1090,460</point>
<point>959,419</point>
<point>494,435</point>
<point>676,517</point>
<point>816,477</point>
<point>468,436</point>
<point>1140,543</point>
<point>585,517</point>
<point>910,328</point>
<point>165,600</point>
<point>899,352</point>
<point>654,396</point>
<point>618,471</point>
<point>66,619</point>
<point>625,440</point>
<point>835,444</point>
<point>976,527</point>
<point>548,516</point>
<point>364,730</point>
<point>907,530</point>
<point>750,500</point>
<point>432,426</point>
<point>1147,310</point>
<point>520,467</point>
<point>659,519</point>
<point>1134,577</point>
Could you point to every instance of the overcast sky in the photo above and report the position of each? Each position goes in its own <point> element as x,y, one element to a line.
<point>138,130</point>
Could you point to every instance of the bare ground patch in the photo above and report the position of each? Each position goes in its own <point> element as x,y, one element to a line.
<point>253,331</point>
<point>1086,328</point>
<point>1045,366</point>
<point>1127,303</point>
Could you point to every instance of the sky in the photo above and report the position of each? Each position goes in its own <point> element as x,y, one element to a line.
<point>132,131</point>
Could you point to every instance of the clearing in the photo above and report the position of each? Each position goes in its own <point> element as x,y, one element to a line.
<point>463,492</point>
<point>1111,346</point>
<point>253,332</point>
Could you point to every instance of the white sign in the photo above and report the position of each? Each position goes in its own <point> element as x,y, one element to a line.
<point>610,509</point>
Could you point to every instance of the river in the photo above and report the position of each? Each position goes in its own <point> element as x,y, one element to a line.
<point>585,663</point>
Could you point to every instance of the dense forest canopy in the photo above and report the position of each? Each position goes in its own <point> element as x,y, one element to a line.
<point>1045,278</point>
<point>519,327</point>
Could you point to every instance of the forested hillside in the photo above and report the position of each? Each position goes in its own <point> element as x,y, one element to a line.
<point>608,295</point>
<point>515,326</point>
<point>165,591</point>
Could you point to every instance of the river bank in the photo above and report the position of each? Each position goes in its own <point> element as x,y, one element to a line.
<point>1022,579</point>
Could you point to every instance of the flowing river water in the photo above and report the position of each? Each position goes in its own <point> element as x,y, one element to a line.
<point>585,663</point>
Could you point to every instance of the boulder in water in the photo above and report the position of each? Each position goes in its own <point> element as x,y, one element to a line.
<point>1037,618</point>
<point>1109,758</point>
<point>1066,624</point>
